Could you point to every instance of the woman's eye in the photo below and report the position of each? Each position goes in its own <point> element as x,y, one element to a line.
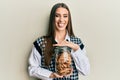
<point>65,16</point>
<point>56,16</point>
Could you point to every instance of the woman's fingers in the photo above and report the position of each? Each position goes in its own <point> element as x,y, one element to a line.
<point>63,43</point>
<point>57,75</point>
<point>69,44</point>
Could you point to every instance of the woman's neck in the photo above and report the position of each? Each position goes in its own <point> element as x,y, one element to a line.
<point>60,36</point>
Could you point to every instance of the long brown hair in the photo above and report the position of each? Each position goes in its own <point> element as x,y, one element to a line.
<point>51,31</point>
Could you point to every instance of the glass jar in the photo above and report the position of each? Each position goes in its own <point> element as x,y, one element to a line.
<point>63,60</point>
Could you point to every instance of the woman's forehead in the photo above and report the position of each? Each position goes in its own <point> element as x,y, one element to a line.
<point>61,10</point>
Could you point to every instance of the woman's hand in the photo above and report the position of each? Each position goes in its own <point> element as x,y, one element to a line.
<point>55,75</point>
<point>69,44</point>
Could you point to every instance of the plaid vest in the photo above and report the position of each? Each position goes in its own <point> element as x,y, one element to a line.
<point>40,46</point>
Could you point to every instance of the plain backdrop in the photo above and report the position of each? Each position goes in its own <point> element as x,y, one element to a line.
<point>96,22</point>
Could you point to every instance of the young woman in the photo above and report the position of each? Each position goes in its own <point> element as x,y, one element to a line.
<point>60,33</point>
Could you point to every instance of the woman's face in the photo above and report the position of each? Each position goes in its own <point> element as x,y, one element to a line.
<point>61,19</point>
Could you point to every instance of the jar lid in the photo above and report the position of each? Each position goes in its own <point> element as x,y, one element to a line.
<point>60,49</point>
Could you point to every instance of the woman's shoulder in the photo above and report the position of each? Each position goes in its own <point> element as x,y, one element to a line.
<point>40,39</point>
<point>75,38</point>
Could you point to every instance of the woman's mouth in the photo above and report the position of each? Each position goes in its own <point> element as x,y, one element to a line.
<point>61,24</point>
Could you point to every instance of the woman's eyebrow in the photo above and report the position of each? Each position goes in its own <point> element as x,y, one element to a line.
<point>65,14</point>
<point>59,14</point>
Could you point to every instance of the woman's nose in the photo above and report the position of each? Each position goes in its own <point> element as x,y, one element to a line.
<point>61,18</point>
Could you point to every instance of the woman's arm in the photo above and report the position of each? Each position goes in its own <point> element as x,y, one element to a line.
<point>35,69</point>
<point>81,61</point>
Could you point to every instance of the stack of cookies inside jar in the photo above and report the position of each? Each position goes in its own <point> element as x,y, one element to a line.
<point>63,60</point>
